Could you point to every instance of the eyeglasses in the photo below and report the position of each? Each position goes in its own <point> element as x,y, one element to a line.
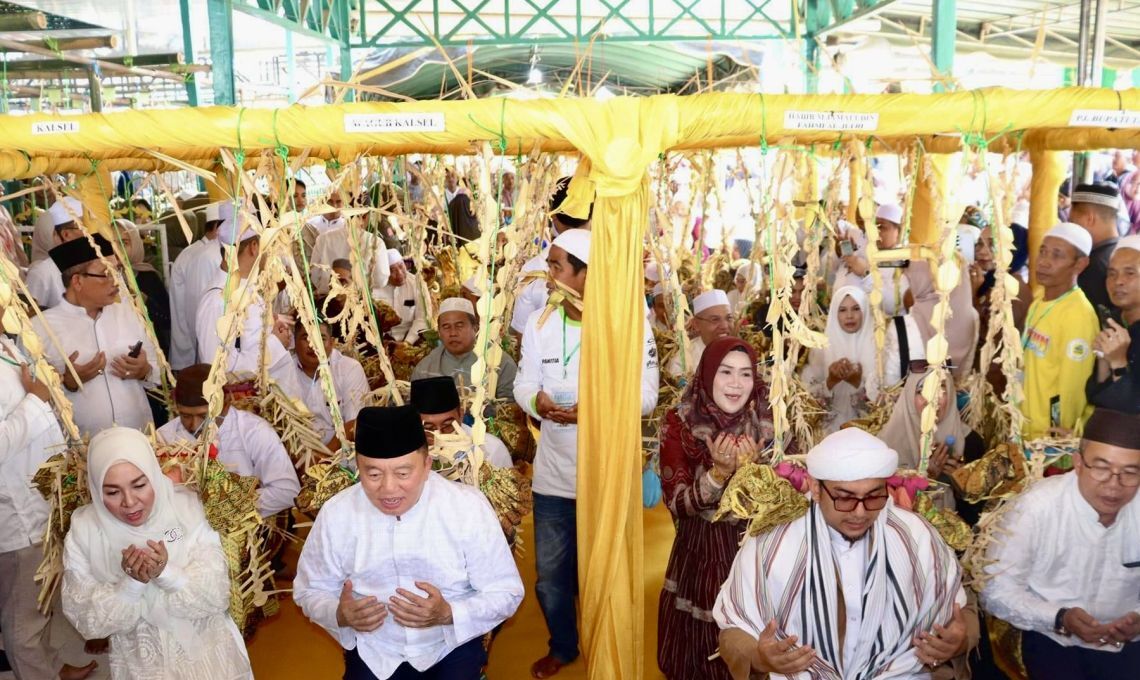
<point>103,276</point>
<point>715,320</point>
<point>849,503</point>
<point>1128,478</point>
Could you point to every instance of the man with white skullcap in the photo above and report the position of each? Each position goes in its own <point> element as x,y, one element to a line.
<point>43,279</point>
<point>402,293</point>
<point>855,269</point>
<point>1115,382</point>
<point>1095,208</point>
<point>533,296</point>
<point>338,238</point>
<point>1059,331</point>
<point>547,388</point>
<point>458,328</point>
<point>190,277</point>
<point>712,319</point>
<point>855,588</point>
<point>242,345</point>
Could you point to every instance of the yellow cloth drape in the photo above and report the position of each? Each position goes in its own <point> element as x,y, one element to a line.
<point>95,192</point>
<point>926,225</point>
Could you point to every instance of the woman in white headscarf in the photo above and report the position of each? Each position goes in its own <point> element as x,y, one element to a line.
<point>143,567</point>
<point>844,375</point>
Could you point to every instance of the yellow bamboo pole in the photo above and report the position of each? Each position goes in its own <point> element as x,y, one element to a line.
<point>1049,172</point>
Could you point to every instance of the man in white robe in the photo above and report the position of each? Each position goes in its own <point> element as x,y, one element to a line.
<point>44,279</point>
<point>533,295</point>
<point>102,337</point>
<point>546,387</point>
<point>242,345</point>
<point>402,294</point>
<point>350,384</point>
<point>855,588</point>
<point>437,401</point>
<point>337,243</point>
<point>246,444</point>
<point>323,223</point>
<point>855,269</point>
<point>712,319</point>
<point>1066,564</point>
<point>190,277</point>
<point>29,435</point>
<point>425,571</point>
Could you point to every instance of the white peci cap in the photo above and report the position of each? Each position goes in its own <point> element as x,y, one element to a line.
<point>66,209</point>
<point>576,242</point>
<point>891,212</point>
<point>712,298</point>
<point>456,304</point>
<point>1074,234</point>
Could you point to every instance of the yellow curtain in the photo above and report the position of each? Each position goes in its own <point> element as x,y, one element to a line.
<point>926,225</point>
<point>1049,172</point>
<point>95,193</point>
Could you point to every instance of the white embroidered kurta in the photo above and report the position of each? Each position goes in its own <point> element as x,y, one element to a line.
<point>191,275</point>
<point>351,387</point>
<point>104,400</point>
<point>248,446</point>
<point>549,363</point>
<point>29,435</point>
<point>405,300</point>
<point>1054,553</point>
<point>198,593</point>
<point>450,538</point>
<point>334,244</point>
<point>244,350</point>
<point>45,283</point>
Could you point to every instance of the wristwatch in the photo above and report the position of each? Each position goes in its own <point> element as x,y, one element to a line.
<point>1118,373</point>
<point>1059,622</point>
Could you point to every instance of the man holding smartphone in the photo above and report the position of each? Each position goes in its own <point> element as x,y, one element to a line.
<point>101,336</point>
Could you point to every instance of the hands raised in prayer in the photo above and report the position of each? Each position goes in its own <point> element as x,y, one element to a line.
<point>413,611</point>
<point>1112,343</point>
<point>942,461</point>
<point>86,372</point>
<point>144,564</point>
<point>363,615</point>
<point>943,643</point>
<point>780,656</point>
<point>1125,629</point>
<point>844,371</point>
<point>730,451</point>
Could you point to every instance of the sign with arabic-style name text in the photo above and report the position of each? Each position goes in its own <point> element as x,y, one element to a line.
<point>836,121</point>
<point>394,122</point>
<point>1107,118</point>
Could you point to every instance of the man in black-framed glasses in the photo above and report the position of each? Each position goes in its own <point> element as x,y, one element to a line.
<point>1067,573</point>
<point>857,587</point>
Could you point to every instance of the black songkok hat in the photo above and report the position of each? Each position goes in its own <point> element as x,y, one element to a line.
<point>188,390</point>
<point>1105,194</point>
<point>1113,428</point>
<point>79,251</point>
<point>433,396</point>
<point>389,432</point>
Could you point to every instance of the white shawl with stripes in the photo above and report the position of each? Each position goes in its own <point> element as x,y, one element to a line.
<point>911,582</point>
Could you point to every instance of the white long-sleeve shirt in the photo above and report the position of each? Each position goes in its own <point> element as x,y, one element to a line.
<point>405,299</point>
<point>334,244</point>
<point>249,446</point>
<point>494,450</point>
<point>1053,552</point>
<point>29,435</point>
<point>191,275</point>
<point>45,283</point>
<point>450,538</point>
<point>351,387</point>
<point>104,400</point>
<point>550,359</point>
<point>533,296</point>
<point>244,350</point>
<point>679,369</point>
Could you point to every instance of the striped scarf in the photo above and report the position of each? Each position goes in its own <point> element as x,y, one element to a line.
<point>910,584</point>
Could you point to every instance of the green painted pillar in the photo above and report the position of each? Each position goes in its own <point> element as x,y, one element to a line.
<point>817,17</point>
<point>221,16</point>
<point>290,67</point>
<point>345,36</point>
<point>945,34</point>
<point>188,53</point>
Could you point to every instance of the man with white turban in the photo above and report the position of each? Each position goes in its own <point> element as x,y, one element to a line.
<point>855,588</point>
<point>402,293</point>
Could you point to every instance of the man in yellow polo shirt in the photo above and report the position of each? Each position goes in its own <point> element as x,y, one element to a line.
<point>1059,332</point>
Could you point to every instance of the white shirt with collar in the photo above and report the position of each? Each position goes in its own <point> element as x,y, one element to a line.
<point>850,565</point>
<point>351,387</point>
<point>334,244</point>
<point>450,538</point>
<point>405,299</point>
<point>29,435</point>
<point>248,446</point>
<point>45,283</point>
<point>104,400</point>
<point>191,275</point>
<point>1055,553</point>
<point>533,296</point>
<point>244,351</point>
<point>550,361</point>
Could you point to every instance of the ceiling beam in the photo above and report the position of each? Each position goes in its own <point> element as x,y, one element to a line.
<point>868,12</point>
<point>23,21</point>
<point>142,60</point>
<point>989,26</point>
<point>66,44</point>
<point>107,66</point>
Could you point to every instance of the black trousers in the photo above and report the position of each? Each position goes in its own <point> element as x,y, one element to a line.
<point>1047,660</point>
<point>465,662</point>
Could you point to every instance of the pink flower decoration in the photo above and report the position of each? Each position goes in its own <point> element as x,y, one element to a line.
<point>795,474</point>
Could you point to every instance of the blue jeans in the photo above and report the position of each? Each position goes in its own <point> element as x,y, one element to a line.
<point>556,561</point>
<point>465,662</point>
